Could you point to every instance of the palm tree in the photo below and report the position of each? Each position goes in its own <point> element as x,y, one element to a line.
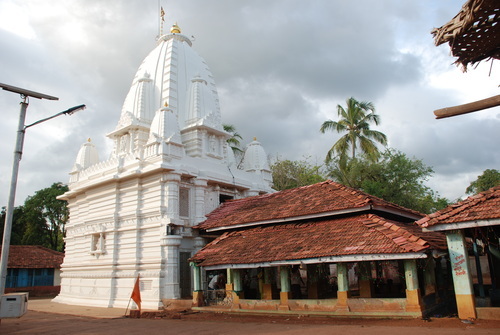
<point>234,140</point>
<point>355,120</point>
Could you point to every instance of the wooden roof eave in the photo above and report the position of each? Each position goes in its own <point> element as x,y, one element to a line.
<point>324,259</point>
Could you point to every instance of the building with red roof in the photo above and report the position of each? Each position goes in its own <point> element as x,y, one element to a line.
<point>472,228</point>
<point>34,269</point>
<point>356,254</point>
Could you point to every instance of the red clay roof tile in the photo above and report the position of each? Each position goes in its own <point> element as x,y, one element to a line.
<point>482,206</point>
<point>323,197</point>
<point>33,257</point>
<point>354,235</point>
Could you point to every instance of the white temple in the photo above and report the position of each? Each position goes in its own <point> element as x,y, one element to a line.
<point>132,214</point>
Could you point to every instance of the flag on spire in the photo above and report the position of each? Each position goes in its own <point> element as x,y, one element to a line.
<point>136,293</point>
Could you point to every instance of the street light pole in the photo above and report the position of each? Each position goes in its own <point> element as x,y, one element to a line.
<point>18,151</point>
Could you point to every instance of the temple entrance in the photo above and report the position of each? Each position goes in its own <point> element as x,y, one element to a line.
<point>185,275</point>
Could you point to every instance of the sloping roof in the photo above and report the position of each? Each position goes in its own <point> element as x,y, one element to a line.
<point>474,33</point>
<point>34,257</point>
<point>321,199</point>
<point>361,234</point>
<point>482,206</point>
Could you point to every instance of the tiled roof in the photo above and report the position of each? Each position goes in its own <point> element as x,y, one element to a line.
<point>362,234</point>
<point>34,257</point>
<point>323,197</point>
<point>482,206</point>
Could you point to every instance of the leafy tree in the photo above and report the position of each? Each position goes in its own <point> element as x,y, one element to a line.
<point>46,217</point>
<point>394,178</point>
<point>290,174</point>
<point>355,121</point>
<point>490,178</point>
<point>18,225</point>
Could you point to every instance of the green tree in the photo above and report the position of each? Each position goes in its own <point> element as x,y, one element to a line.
<point>394,178</point>
<point>355,121</point>
<point>490,178</point>
<point>18,225</point>
<point>290,174</point>
<point>46,217</point>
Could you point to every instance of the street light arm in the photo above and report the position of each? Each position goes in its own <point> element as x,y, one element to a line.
<point>68,111</point>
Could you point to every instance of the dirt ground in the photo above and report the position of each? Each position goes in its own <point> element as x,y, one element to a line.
<point>187,322</point>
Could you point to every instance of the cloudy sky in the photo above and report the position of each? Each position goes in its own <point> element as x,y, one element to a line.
<point>281,68</point>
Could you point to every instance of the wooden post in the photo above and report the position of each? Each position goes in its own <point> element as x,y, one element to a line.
<point>468,108</point>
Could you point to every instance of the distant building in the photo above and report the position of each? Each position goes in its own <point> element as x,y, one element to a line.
<point>34,269</point>
<point>131,214</point>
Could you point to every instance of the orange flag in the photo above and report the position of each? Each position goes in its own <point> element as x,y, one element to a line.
<point>136,293</point>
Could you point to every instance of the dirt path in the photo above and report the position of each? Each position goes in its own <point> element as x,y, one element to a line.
<point>208,324</point>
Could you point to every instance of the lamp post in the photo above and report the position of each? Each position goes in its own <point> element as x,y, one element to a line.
<point>25,94</point>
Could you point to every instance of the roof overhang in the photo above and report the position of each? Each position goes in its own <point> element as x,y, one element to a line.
<point>291,219</point>
<point>325,259</point>
<point>462,225</point>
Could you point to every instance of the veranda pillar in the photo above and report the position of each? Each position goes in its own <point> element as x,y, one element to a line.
<point>413,298</point>
<point>197,291</point>
<point>285,287</point>
<point>267,293</point>
<point>462,280</point>
<point>343,287</point>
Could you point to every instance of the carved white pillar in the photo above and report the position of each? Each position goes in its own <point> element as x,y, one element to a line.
<point>171,282</point>
<point>199,199</point>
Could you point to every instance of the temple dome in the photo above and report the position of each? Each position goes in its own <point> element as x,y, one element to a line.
<point>87,156</point>
<point>255,158</point>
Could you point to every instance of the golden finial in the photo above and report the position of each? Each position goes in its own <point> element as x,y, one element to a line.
<point>89,140</point>
<point>166,104</point>
<point>255,138</point>
<point>175,29</point>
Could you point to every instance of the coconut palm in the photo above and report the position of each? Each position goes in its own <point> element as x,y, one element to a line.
<point>355,120</point>
<point>234,140</point>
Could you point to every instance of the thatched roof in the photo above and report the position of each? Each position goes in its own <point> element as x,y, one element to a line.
<point>474,33</point>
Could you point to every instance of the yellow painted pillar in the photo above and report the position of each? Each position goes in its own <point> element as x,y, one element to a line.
<point>285,293</point>
<point>343,287</point>
<point>413,298</point>
<point>462,279</point>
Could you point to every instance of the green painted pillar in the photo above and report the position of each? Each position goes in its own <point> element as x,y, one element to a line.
<point>197,290</point>
<point>285,278</point>
<point>462,279</point>
<point>342,287</point>
<point>196,277</point>
<point>342,279</point>
<point>285,293</point>
<point>236,276</point>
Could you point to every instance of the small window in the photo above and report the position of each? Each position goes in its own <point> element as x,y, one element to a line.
<point>184,202</point>
<point>224,197</point>
<point>97,243</point>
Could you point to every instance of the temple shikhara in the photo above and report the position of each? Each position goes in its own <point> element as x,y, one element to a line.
<point>131,214</point>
